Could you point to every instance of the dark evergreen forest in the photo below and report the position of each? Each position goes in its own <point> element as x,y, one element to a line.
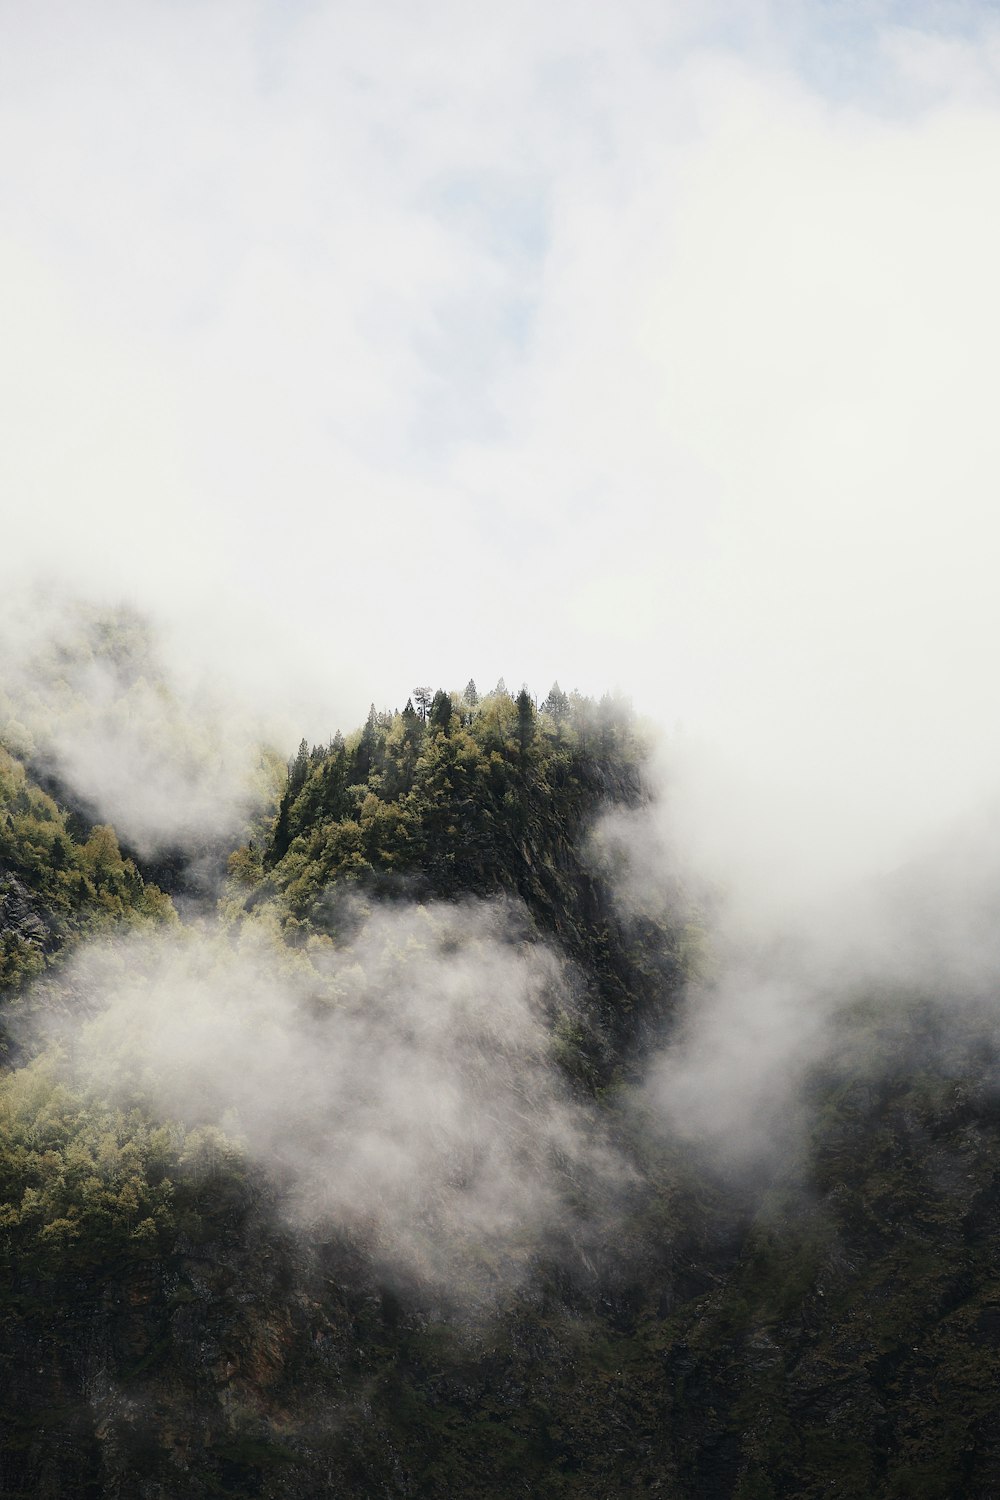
<point>823,1324</point>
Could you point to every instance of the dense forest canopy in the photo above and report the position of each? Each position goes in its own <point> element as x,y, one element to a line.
<point>469,796</point>
<point>487,1094</point>
<point>358,1161</point>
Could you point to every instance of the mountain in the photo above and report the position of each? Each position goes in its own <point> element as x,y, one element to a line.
<point>387,1208</point>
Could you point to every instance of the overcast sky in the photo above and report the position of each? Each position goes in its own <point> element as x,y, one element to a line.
<point>647,345</point>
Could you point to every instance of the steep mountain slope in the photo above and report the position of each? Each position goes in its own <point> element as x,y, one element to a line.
<point>824,1323</point>
<point>482,799</point>
<point>56,887</point>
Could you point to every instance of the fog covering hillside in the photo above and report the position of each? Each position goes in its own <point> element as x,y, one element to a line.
<point>452,1134</point>
<point>496,1092</point>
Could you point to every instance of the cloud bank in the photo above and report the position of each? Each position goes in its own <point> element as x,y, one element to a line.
<point>651,350</point>
<point>368,346</point>
<point>86,696</point>
<point>401,1089</point>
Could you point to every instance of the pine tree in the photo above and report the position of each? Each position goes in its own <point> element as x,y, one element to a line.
<point>525,720</point>
<point>440,712</point>
<point>298,770</point>
<point>556,704</point>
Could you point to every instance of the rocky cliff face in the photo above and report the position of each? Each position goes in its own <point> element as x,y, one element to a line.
<point>22,913</point>
<point>26,934</point>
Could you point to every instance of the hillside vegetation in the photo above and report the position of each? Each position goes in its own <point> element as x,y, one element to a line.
<point>476,797</point>
<point>824,1325</point>
<point>57,883</point>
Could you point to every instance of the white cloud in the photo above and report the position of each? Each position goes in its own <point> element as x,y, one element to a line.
<point>650,348</point>
<point>401,1087</point>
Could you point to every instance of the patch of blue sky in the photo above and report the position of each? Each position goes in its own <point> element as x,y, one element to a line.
<point>478,336</point>
<point>474,347</point>
<point>505,214</point>
<point>837,47</point>
<point>276,24</point>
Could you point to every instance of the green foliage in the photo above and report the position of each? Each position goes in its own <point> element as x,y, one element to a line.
<point>449,790</point>
<point>54,888</point>
<point>484,798</point>
<point>79,1180</point>
<point>827,1328</point>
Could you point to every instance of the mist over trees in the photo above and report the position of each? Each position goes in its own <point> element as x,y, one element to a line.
<point>411,1091</point>
<point>448,1147</point>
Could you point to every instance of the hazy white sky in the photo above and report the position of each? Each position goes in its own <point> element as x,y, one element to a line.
<point>650,345</point>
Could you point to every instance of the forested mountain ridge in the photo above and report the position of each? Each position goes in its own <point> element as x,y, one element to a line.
<point>477,797</point>
<point>57,884</point>
<point>824,1324</point>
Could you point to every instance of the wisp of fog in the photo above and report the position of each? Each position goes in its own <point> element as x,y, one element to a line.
<point>86,695</point>
<point>400,1089</point>
<point>786,936</point>
<point>649,346</point>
